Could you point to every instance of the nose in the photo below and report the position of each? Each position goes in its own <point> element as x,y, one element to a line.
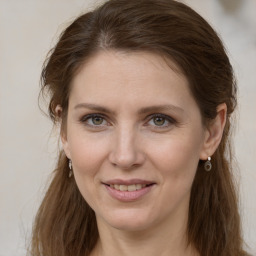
<point>126,152</point>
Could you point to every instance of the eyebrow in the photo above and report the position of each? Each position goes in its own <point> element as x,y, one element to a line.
<point>156,108</point>
<point>94,107</point>
<point>160,108</point>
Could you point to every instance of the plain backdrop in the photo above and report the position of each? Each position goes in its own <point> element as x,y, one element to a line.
<point>28,146</point>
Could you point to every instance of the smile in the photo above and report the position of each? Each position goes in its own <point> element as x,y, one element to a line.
<point>132,187</point>
<point>126,191</point>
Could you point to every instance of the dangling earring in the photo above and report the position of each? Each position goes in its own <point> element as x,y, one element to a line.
<point>208,165</point>
<point>70,168</point>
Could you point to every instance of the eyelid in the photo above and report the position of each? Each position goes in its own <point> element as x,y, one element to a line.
<point>170,119</point>
<point>85,118</point>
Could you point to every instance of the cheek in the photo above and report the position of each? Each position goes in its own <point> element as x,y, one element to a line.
<point>87,153</point>
<point>176,161</point>
<point>177,157</point>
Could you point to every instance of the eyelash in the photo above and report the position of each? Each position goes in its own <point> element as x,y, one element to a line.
<point>170,120</point>
<point>85,119</point>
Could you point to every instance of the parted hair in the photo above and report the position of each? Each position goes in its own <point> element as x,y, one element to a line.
<point>65,224</point>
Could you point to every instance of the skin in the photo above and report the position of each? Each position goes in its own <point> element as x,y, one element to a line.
<point>126,140</point>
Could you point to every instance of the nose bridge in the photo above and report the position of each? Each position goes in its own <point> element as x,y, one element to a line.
<point>125,152</point>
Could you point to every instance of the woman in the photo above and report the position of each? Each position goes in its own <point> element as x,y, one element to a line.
<point>144,93</point>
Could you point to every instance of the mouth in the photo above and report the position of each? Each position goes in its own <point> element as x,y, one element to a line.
<point>130,188</point>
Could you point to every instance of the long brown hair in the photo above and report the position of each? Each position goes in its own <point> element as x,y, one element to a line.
<point>65,224</point>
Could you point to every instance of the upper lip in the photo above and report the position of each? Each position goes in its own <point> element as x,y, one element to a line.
<point>128,182</point>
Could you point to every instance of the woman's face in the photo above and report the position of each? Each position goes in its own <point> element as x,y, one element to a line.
<point>135,136</point>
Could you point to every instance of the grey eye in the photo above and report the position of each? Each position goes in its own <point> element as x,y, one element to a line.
<point>159,121</point>
<point>94,120</point>
<point>97,120</point>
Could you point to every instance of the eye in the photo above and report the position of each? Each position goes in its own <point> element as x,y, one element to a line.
<point>161,121</point>
<point>97,120</point>
<point>94,120</point>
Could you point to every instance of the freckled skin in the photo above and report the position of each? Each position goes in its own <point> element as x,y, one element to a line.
<point>129,146</point>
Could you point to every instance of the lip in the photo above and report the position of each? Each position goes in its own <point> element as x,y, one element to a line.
<point>128,196</point>
<point>128,182</point>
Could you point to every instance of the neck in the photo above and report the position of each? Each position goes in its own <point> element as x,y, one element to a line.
<point>162,240</point>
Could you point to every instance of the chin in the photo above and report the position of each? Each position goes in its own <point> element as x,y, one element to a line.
<point>129,220</point>
<point>131,226</point>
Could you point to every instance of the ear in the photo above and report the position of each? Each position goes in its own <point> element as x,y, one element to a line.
<point>213,132</point>
<point>63,133</point>
<point>58,111</point>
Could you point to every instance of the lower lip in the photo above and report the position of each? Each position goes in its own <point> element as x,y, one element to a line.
<point>128,196</point>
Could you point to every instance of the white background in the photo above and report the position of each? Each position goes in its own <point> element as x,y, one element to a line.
<point>28,29</point>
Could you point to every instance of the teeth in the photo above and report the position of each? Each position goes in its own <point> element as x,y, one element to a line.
<point>132,187</point>
<point>123,188</point>
<point>138,186</point>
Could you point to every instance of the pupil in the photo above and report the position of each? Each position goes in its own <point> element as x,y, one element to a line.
<point>159,121</point>
<point>97,120</point>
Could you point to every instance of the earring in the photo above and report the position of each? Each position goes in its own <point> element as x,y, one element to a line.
<point>208,165</point>
<point>70,168</point>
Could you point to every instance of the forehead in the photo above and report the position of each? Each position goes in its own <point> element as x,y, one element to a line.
<point>129,78</point>
<point>106,61</point>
